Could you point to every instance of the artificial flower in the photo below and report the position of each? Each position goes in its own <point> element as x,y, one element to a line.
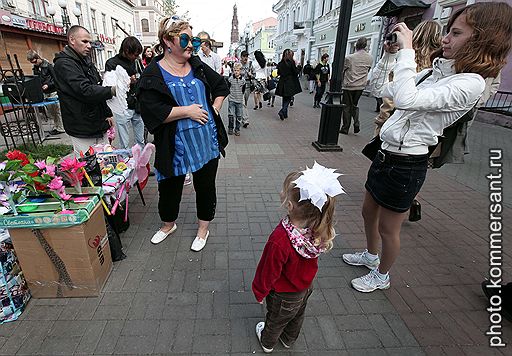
<point>40,164</point>
<point>17,155</point>
<point>56,184</point>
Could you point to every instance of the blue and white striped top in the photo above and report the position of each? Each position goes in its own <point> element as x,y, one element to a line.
<point>195,144</point>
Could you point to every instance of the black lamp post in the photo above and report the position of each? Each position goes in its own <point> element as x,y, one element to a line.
<point>65,17</point>
<point>332,109</point>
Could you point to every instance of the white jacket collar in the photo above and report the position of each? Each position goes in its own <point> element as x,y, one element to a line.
<point>443,67</point>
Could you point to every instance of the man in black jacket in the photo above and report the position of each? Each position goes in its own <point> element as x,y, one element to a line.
<point>85,113</point>
<point>127,58</point>
<point>44,70</point>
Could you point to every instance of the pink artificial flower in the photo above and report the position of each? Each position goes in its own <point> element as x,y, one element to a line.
<point>71,164</point>
<point>50,170</point>
<point>63,195</point>
<point>40,164</point>
<point>56,184</point>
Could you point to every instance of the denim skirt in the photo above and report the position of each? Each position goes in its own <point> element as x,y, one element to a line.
<point>394,180</point>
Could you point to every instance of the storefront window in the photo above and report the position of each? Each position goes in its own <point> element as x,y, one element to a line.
<point>80,18</point>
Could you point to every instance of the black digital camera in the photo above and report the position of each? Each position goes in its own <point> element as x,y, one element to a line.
<point>391,38</point>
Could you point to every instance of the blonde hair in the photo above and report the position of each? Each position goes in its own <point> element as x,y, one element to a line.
<point>321,223</point>
<point>169,29</point>
<point>237,65</point>
<point>426,39</point>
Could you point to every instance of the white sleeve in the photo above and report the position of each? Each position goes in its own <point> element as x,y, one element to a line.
<point>218,63</point>
<point>380,73</point>
<point>462,90</point>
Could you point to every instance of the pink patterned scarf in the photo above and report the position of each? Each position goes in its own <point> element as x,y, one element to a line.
<point>302,240</point>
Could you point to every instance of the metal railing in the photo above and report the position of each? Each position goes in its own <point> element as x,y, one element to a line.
<point>500,103</point>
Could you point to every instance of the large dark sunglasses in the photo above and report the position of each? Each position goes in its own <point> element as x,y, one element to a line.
<point>185,39</point>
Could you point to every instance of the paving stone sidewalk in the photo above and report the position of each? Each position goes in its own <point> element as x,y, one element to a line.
<point>166,299</point>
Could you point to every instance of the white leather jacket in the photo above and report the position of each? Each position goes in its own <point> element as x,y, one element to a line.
<point>423,111</point>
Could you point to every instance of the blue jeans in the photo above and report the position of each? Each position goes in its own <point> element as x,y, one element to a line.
<point>234,111</point>
<point>123,125</point>
<point>284,106</point>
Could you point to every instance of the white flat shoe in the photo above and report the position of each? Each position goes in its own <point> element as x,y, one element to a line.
<point>159,236</point>
<point>199,243</point>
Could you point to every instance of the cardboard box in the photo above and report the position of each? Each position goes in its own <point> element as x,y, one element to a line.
<point>85,255</point>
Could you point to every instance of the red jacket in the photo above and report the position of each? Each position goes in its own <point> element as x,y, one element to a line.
<point>281,268</point>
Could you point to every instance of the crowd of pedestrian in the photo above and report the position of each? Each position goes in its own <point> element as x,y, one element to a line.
<point>424,84</point>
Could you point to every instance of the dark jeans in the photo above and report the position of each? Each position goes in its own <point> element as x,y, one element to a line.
<point>284,105</point>
<point>285,314</point>
<point>170,190</point>
<point>350,111</point>
<point>320,90</point>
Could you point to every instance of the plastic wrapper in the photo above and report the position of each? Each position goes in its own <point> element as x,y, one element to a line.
<point>121,80</point>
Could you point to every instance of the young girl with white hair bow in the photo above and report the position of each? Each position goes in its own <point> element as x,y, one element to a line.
<point>289,261</point>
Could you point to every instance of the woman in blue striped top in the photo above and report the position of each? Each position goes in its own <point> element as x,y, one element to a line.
<point>180,99</point>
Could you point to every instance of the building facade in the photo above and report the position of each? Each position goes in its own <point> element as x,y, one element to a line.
<point>41,25</point>
<point>147,15</point>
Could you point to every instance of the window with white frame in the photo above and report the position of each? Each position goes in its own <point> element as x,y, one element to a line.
<point>93,21</point>
<point>144,23</point>
<point>38,7</point>
<point>104,22</point>
<point>113,21</point>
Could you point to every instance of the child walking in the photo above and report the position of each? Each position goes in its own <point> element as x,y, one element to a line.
<point>289,261</point>
<point>236,84</point>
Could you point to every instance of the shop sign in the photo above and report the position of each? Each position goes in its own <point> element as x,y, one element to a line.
<point>17,21</point>
<point>44,27</point>
<point>106,39</point>
<point>360,27</point>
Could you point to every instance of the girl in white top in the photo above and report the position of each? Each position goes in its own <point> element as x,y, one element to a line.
<point>261,76</point>
<point>476,47</point>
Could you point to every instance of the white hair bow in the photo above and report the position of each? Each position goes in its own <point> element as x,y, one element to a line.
<point>317,183</point>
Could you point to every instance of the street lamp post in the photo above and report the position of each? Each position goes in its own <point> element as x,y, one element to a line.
<point>65,18</point>
<point>77,13</point>
<point>332,109</point>
<point>51,11</point>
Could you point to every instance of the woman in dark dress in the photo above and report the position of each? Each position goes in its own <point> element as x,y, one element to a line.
<point>289,84</point>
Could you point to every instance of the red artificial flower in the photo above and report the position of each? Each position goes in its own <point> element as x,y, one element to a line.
<point>40,187</point>
<point>17,155</point>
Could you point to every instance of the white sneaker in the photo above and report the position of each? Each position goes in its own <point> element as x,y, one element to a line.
<point>199,243</point>
<point>160,235</point>
<point>370,282</point>
<point>286,346</point>
<point>361,259</point>
<point>259,328</point>
<point>188,179</point>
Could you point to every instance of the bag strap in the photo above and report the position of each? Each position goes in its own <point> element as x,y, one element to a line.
<point>429,73</point>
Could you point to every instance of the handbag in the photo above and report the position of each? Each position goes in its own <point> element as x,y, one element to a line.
<point>372,147</point>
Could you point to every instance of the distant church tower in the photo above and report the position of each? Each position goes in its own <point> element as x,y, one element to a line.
<point>234,27</point>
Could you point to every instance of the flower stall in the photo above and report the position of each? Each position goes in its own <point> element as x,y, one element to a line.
<point>56,225</point>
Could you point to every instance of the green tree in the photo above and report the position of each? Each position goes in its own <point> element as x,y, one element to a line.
<point>171,8</point>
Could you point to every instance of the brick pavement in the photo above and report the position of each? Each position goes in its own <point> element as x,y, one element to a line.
<point>166,299</point>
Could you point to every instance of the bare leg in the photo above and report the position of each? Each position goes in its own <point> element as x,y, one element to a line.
<point>202,228</point>
<point>371,212</point>
<point>390,223</point>
<point>167,226</point>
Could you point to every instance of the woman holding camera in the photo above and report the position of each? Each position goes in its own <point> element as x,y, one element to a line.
<point>475,47</point>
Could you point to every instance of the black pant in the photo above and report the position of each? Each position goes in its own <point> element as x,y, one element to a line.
<point>320,90</point>
<point>350,111</point>
<point>285,314</point>
<point>170,190</point>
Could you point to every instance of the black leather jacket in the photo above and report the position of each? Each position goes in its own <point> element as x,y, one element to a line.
<point>82,98</point>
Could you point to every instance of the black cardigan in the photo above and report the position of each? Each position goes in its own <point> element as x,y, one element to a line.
<point>156,103</point>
